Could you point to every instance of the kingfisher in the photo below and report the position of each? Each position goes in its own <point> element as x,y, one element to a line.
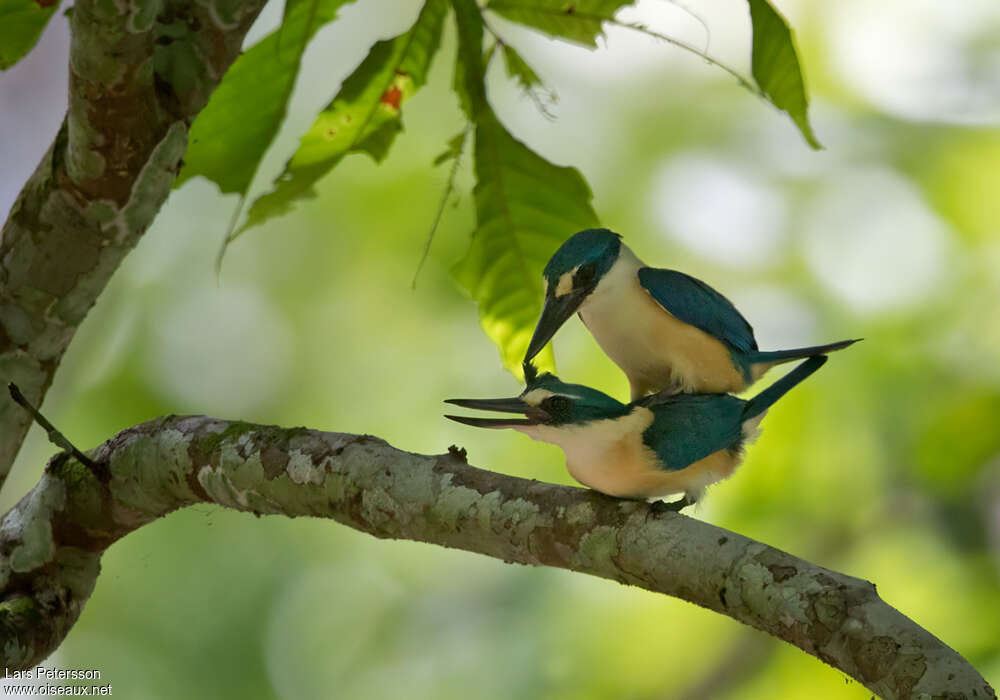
<point>668,331</point>
<point>655,446</point>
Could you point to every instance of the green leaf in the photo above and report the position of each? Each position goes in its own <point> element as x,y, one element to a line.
<point>453,150</point>
<point>529,82</point>
<point>230,136</point>
<point>525,208</point>
<point>776,66</point>
<point>580,21</point>
<point>364,117</point>
<point>21,23</point>
<point>775,62</point>
<point>470,85</point>
<point>519,70</point>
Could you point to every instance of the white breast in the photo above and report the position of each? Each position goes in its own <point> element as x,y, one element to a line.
<point>606,455</point>
<point>609,456</point>
<point>656,351</point>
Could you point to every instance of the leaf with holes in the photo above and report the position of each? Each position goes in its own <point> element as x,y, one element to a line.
<point>364,117</point>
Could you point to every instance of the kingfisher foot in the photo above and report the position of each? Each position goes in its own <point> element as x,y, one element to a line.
<point>660,507</point>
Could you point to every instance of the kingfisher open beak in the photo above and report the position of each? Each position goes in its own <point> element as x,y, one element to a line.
<point>554,314</point>
<point>534,415</point>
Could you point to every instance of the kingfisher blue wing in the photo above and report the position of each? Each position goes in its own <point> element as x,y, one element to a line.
<point>690,427</point>
<point>697,304</point>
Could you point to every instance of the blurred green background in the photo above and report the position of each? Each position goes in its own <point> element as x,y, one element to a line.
<point>885,465</point>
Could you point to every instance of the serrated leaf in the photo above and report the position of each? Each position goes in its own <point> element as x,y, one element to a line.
<point>529,81</point>
<point>519,70</point>
<point>776,66</point>
<point>230,136</point>
<point>580,20</point>
<point>364,117</point>
<point>526,207</point>
<point>21,23</point>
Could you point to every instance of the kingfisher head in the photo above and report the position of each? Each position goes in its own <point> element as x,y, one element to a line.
<point>571,274</point>
<point>546,401</point>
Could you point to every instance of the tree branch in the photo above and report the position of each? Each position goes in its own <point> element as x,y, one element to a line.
<point>139,73</point>
<point>52,541</point>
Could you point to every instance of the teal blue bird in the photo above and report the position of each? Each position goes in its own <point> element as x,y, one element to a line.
<point>668,331</point>
<point>655,446</point>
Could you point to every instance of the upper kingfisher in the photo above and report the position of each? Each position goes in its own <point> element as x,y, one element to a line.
<point>666,330</point>
<point>655,446</point>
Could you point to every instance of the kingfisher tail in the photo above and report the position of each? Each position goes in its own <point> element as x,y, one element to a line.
<point>776,357</point>
<point>765,399</point>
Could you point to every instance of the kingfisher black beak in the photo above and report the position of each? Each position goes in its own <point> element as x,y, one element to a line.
<point>554,314</point>
<point>534,415</point>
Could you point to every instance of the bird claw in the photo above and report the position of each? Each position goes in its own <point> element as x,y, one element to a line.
<point>661,507</point>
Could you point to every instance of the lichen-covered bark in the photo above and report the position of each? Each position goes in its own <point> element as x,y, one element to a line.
<point>139,73</point>
<point>51,542</point>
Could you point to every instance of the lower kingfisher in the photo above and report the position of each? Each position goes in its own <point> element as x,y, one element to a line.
<point>666,330</point>
<point>655,446</point>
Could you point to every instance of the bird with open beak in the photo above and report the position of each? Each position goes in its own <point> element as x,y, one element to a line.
<point>652,447</point>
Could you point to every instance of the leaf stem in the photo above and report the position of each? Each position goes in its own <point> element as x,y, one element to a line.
<point>55,437</point>
<point>741,79</point>
<point>449,188</point>
<point>231,235</point>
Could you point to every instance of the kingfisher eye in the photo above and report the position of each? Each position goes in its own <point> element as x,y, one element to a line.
<point>557,405</point>
<point>585,274</point>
